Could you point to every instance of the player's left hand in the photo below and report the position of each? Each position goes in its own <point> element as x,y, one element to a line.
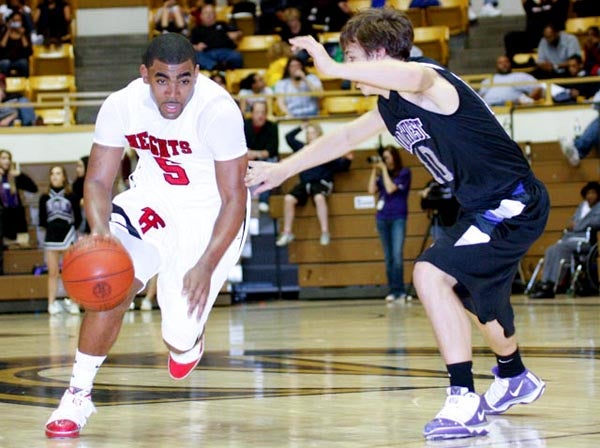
<point>196,286</point>
<point>263,176</point>
<point>321,58</point>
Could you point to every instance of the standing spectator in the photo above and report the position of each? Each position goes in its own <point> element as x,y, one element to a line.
<point>390,180</point>
<point>538,14</point>
<point>519,94</point>
<point>60,215</point>
<point>77,189</point>
<point>296,80</point>
<point>316,182</point>
<point>15,48</point>
<point>14,182</point>
<point>253,84</point>
<point>8,113</point>
<point>554,50</point>
<point>591,50</point>
<point>262,138</point>
<point>52,20</point>
<point>171,18</point>
<point>586,215</point>
<point>215,42</point>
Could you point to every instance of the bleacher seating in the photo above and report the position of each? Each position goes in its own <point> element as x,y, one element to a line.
<point>434,41</point>
<point>254,49</point>
<point>52,60</point>
<point>450,13</point>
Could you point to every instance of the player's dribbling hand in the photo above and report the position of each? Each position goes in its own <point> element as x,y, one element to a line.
<point>321,58</point>
<point>196,286</point>
<point>263,176</point>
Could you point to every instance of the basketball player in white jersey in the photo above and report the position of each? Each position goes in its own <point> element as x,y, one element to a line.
<point>183,217</point>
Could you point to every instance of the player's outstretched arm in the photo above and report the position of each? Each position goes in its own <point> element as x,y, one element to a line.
<point>102,169</point>
<point>379,70</point>
<point>265,176</point>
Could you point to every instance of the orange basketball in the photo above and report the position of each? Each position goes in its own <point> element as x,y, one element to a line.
<point>97,272</point>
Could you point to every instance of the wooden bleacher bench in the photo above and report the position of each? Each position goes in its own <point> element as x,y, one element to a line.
<point>355,248</point>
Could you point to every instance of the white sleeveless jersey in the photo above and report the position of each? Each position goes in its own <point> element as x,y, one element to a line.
<point>176,157</point>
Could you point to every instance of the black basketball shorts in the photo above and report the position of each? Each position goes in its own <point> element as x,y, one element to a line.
<point>482,251</point>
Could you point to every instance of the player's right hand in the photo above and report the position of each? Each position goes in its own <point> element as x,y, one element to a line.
<point>263,176</point>
<point>321,58</point>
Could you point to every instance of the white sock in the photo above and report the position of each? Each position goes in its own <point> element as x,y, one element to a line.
<point>85,369</point>
<point>186,357</point>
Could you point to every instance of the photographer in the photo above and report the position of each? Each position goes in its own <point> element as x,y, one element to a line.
<point>391,182</point>
<point>441,206</point>
<point>15,48</point>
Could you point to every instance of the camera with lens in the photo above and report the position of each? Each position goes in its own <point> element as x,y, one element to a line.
<point>373,159</point>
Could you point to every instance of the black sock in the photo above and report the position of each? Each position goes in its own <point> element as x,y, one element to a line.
<point>461,374</point>
<point>511,365</point>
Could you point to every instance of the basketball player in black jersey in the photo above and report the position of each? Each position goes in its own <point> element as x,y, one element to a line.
<point>436,116</point>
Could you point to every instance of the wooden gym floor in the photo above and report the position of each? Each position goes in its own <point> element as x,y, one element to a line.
<point>348,374</point>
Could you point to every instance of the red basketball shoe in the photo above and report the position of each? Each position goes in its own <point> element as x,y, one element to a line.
<point>70,416</point>
<point>179,371</point>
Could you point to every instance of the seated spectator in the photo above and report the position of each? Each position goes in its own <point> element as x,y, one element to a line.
<point>262,138</point>
<point>10,114</point>
<point>253,84</point>
<point>294,25</point>
<point>15,48</point>
<point>563,93</point>
<point>586,215</point>
<point>215,42</point>
<point>219,77</point>
<point>538,13</point>
<point>14,183</point>
<point>518,94</point>
<point>578,148</point>
<point>553,52</point>
<point>296,80</point>
<point>171,18</point>
<point>11,6</point>
<point>52,19</point>
<point>591,50</point>
<point>316,182</point>
<point>196,11</point>
<point>331,14</point>
<point>271,15</point>
<point>278,55</point>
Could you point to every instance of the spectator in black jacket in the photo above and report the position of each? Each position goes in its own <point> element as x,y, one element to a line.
<point>215,42</point>
<point>316,182</point>
<point>262,138</point>
<point>13,182</point>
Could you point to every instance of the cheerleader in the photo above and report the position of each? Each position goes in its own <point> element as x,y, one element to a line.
<point>60,215</point>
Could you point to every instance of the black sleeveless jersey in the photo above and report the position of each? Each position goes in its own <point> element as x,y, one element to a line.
<point>468,150</point>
